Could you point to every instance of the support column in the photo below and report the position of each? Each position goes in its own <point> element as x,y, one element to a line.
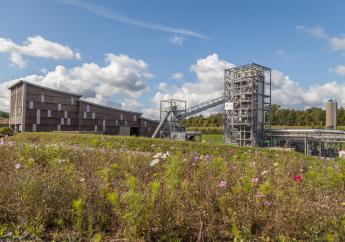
<point>305,146</point>
<point>320,148</point>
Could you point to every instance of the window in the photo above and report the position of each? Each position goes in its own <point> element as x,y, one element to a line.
<point>125,122</point>
<point>31,105</point>
<point>121,116</point>
<point>62,121</point>
<point>58,127</point>
<point>49,113</point>
<point>42,98</point>
<point>135,118</point>
<point>145,123</point>
<point>34,128</point>
<point>38,117</point>
<point>116,122</point>
<point>68,121</point>
<point>149,129</point>
<point>103,125</point>
<point>93,115</point>
<point>87,108</point>
<point>85,115</point>
<point>59,106</point>
<point>66,114</point>
<point>96,128</point>
<point>72,100</point>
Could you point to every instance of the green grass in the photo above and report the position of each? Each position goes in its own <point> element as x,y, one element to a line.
<point>84,187</point>
<point>212,138</point>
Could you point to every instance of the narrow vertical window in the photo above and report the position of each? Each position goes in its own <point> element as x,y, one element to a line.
<point>49,113</point>
<point>145,123</point>
<point>87,108</point>
<point>58,127</point>
<point>96,128</point>
<point>42,98</point>
<point>62,121</point>
<point>85,115</point>
<point>66,114</point>
<point>72,100</point>
<point>68,121</point>
<point>38,117</point>
<point>135,118</point>
<point>34,128</point>
<point>121,116</point>
<point>59,106</point>
<point>125,122</point>
<point>93,115</point>
<point>31,105</point>
<point>116,122</point>
<point>103,125</point>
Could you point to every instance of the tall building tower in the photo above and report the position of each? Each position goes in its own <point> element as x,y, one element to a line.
<point>247,111</point>
<point>331,114</point>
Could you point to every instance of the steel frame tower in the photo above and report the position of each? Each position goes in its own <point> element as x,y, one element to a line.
<point>247,110</point>
<point>172,116</point>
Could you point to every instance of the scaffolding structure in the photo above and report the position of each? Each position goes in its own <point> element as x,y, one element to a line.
<point>247,110</point>
<point>172,119</point>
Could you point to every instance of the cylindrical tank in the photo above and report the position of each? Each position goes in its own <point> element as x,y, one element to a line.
<point>331,114</point>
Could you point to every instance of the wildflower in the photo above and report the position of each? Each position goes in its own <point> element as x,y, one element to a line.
<point>158,155</point>
<point>60,161</point>
<point>18,166</point>
<point>2,142</point>
<point>222,184</point>
<point>154,162</point>
<point>264,173</point>
<point>207,158</point>
<point>297,178</point>
<point>267,203</point>
<point>184,160</point>
<point>82,179</point>
<point>259,195</point>
<point>275,164</point>
<point>196,158</point>
<point>255,180</point>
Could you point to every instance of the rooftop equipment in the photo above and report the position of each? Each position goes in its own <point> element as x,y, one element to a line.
<point>331,114</point>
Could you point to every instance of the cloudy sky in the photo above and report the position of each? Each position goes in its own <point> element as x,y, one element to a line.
<point>133,53</point>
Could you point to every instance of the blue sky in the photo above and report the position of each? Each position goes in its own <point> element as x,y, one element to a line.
<point>302,41</point>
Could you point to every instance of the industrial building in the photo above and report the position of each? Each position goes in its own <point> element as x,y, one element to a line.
<point>37,108</point>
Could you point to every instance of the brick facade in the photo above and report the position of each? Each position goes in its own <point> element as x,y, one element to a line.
<point>35,108</point>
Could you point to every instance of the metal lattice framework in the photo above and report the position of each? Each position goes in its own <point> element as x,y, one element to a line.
<point>171,122</point>
<point>247,111</point>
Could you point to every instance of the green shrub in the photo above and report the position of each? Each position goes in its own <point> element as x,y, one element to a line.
<point>6,131</point>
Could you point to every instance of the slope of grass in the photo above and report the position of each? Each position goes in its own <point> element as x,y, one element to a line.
<point>57,186</point>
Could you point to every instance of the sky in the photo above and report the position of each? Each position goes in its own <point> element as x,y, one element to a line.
<point>132,54</point>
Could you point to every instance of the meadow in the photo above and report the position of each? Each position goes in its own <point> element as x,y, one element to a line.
<point>84,187</point>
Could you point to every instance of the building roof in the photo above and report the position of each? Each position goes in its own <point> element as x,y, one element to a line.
<point>46,88</point>
<point>103,106</point>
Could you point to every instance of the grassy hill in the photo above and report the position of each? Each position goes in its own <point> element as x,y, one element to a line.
<point>57,186</point>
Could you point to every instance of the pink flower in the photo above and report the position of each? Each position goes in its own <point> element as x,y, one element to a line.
<point>255,180</point>
<point>222,184</point>
<point>259,194</point>
<point>267,203</point>
<point>297,178</point>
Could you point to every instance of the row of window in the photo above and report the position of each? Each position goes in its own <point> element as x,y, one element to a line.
<point>43,100</point>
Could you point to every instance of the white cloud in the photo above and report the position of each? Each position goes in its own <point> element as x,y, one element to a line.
<point>337,43</point>
<point>122,76</point>
<point>115,16</point>
<point>209,84</point>
<point>177,40</point>
<point>339,70</point>
<point>36,46</point>
<point>177,76</point>
<point>315,31</point>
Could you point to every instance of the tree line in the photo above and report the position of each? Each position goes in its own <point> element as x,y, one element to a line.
<point>313,116</point>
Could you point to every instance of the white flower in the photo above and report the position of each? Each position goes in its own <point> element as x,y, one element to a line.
<point>264,173</point>
<point>82,179</point>
<point>18,166</point>
<point>275,164</point>
<point>154,162</point>
<point>60,161</point>
<point>158,155</point>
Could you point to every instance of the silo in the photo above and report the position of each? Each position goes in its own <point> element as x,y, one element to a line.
<point>331,114</point>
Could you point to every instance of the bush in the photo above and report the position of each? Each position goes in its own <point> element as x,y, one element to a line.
<point>6,131</point>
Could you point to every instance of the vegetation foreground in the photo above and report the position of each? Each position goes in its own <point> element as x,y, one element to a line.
<point>57,186</point>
